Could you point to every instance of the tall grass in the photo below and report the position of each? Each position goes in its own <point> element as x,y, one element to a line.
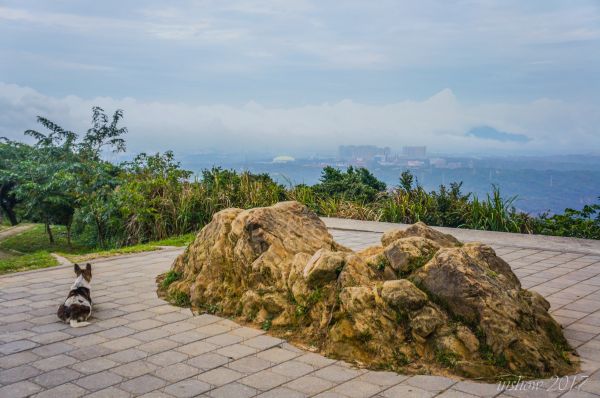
<point>494,213</point>
<point>151,205</point>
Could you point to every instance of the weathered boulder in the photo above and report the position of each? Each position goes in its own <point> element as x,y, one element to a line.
<point>420,302</point>
<point>423,231</point>
<point>405,255</point>
<point>403,295</point>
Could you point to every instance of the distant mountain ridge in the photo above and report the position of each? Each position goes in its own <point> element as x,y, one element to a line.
<point>490,133</point>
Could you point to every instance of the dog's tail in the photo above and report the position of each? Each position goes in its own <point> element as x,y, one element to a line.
<point>75,324</point>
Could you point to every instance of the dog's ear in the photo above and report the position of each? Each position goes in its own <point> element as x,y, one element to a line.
<point>77,269</point>
<point>87,272</point>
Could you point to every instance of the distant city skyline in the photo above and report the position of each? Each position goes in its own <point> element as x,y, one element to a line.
<point>301,76</point>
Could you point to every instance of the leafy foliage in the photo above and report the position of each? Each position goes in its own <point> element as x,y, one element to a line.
<point>62,172</point>
<point>584,223</point>
<point>356,184</point>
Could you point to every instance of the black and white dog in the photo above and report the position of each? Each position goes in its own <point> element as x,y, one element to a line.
<point>77,308</point>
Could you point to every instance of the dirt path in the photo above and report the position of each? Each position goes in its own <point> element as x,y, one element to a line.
<point>12,231</point>
<point>7,233</point>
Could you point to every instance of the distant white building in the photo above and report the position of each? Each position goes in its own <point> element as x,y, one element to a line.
<point>283,159</point>
<point>415,163</point>
<point>437,162</point>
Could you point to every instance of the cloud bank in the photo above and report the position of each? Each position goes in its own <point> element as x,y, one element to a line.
<point>441,122</point>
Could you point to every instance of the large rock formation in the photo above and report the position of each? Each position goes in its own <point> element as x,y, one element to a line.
<point>420,302</point>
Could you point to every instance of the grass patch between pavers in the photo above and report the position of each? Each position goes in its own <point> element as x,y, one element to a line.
<point>32,249</point>
<point>27,262</point>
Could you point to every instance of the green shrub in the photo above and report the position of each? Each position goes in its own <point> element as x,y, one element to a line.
<point>170,277</point>
<point>180,299</point>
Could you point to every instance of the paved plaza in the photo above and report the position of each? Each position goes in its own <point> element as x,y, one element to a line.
<point>139,345</point>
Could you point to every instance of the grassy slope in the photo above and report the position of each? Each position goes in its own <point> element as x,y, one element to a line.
<point>41,259</point>
<point>36,249</point>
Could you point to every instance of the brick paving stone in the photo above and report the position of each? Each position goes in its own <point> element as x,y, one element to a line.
<point>145,324</point>
<point>111,323</point>
<point>249,365</point>
<point>293,369</point>
<point>171,317</point>
<point>178,327</point>
<point>77,332</point>
<point>310,385</point>
<point>95,365</point>
<point>382,378</point>
<point>55,362</point>
<point>129,355</point>
<point>110,392</point>
<point>98,381</point>
<point>406,391</point>
<point>87,340</point>
<point>122,343</point>
<point>50,337</point>
<point>263,342</point>
<point>357,389</point>
<point>337,373</point>
<point>330,394</point>
<point>187,337</point>
<point>135,369</point>
<point>316,360</point>
<point>167,358</point>
<point>224,339</point>
<point>196,348</point>
<point>208,361</point>
<point>230,390</point>
<point>282,392</point>
<point>143,384</point>
<point>56,377</point>
<point>10,337</point>
<point>431,383</point>
<point>86,353</point>
<point>151,335</point>
<point>220,376</point>
<point>19,390</point>
<point>187,388</point>
<point>455,394</point>
<point>277,355</point>
<point>264,380</point>
<point>50,350</point>
<point>67,390</point>
<point>204,319</point>
<point>18,373</point>
<point>479,389</point>
<point>138,316</point>
<point>176,372</point>
<point>159,394</point>
<point>236,351</point>
<point>16,346</point>
<point>247,332</point>
<point>20,358</point>
<point>213,329</point>
<point>157,346</point>
<point>228,323</point>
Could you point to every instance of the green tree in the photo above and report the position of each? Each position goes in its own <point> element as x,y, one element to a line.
<point>355,184</point>
<point>62,172</point>
<point>11,156</point>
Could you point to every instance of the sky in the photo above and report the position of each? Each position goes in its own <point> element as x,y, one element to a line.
<point>302,77</point>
